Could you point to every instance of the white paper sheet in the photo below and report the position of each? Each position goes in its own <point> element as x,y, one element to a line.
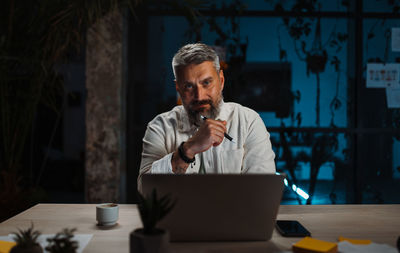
<point>381,75</point>
<point>347,247</point>
<point>395,39</point>
<point>82,239</point>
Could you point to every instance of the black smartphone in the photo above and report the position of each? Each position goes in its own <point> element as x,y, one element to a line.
<point>291,228</point>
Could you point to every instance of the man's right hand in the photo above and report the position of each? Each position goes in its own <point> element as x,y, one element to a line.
<point>210,133</point>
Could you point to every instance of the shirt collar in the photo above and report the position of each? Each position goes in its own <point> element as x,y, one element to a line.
<point>223,113</point>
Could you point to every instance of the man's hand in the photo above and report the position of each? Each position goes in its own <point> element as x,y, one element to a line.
<point>210,133</point>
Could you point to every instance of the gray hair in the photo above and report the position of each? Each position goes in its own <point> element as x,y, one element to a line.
<point>194,54</point>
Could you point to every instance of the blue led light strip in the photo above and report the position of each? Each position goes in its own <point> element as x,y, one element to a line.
<point>296,189</point>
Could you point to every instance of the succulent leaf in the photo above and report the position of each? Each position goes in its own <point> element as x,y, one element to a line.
<point>152,209</point>
<point>62,242</point>
<point>26,238</point>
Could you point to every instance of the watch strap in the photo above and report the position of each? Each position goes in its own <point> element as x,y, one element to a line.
<point>183,156</point>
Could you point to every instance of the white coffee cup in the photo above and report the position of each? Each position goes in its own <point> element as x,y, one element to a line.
<point>107,214</point>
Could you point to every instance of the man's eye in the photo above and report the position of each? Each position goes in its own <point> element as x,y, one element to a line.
<point>207,82</point>
<point>188,86</point>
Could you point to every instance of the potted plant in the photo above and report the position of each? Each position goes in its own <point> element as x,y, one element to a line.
<point>27,241</point>
<point>62,242</point>
<point>151,239</point>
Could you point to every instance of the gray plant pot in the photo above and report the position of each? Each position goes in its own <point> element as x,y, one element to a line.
<point>33,249</point>
<point>144,243</point>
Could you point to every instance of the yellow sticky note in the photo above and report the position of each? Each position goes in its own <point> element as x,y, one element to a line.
<point>354,241</point>
<point>311,245</point>
<point>5,247</point>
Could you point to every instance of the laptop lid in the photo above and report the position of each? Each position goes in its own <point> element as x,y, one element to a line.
<point>219,207</point>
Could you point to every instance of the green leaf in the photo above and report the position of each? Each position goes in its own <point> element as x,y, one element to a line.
<point>26,238</point>
<point>152,209</point>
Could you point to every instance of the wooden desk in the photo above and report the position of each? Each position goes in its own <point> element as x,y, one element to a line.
<point>380,223</point>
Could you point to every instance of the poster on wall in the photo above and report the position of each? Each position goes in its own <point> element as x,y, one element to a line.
<point>382,75</point>
<point>393,97</point>
<point>396,39</point>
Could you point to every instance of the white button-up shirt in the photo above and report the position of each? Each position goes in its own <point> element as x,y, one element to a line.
<point>251,151</point>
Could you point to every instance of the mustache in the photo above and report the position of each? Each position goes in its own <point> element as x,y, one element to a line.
<point>202,102</point>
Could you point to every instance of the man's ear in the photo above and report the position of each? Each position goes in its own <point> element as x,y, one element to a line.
<point>176,85</point>
<point>177,88</point>
<point>222,79</point>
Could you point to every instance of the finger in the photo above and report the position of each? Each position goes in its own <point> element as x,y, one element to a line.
<point>217,136</point>
<point>221,123</point>
<point>217,123</point>
<point>218,129</point>
<point>210,130</point>
<point>218,141</point>
<point>218,133</point>
<point>213,132</point>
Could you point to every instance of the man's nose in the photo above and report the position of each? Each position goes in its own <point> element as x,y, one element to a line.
<point>200,93</point>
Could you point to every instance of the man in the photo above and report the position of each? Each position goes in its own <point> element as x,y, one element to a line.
<point>191,138</point>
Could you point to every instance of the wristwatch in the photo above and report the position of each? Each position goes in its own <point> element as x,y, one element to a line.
<point>183,156</point>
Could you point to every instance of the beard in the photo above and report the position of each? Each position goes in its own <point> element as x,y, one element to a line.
<point>211,113</point>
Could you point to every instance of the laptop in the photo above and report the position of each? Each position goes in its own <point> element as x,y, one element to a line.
<point>218,207</point>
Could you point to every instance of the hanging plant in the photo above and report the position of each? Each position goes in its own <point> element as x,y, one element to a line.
<point>316,62</point>
<point>316,56</point>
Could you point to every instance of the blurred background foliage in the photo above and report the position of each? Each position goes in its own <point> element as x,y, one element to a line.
<point>36,37</point>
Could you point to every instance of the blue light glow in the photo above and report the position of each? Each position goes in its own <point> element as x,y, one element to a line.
<point>296,189</point>
<point>302,193</point>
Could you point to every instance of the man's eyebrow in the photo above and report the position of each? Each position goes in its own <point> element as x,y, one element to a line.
<point>187,82</point>
<point>210,78</point>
